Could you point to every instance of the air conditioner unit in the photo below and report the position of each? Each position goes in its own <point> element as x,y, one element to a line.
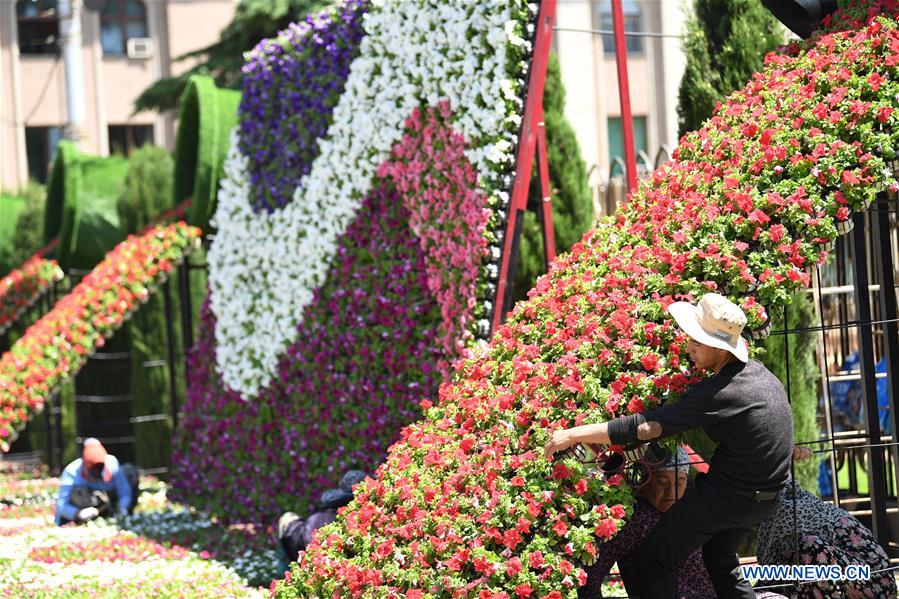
<point>140,47</point>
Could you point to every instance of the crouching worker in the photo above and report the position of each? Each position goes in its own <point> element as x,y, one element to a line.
<point>812,531</point>
<point>666,484</point>
<point>295,533</point>
<point>96,485</point>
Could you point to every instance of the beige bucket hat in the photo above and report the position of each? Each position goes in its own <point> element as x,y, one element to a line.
<point>715,321</point>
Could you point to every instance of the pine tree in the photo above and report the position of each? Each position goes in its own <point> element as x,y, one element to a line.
<point>726,43</point>
<point>572,202</point>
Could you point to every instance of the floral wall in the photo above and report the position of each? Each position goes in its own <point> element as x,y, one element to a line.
<point>359,223</point>
<point>465,504</point>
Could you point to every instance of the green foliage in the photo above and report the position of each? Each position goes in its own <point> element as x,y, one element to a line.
<point>572,202</point>
<point>147,189</point>
<point>81,205</point>
<point>796,353</point>
<point>28,236</point>
<point>146,193</point>
<point>21,225</point>
<point>150,386</point>
<point>62,195</point>
<point>253,21</point>
<point>725,44</point>
<point>208,114</point>
<point>11,207</point>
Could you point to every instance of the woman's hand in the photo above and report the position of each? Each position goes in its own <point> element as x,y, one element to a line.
<point>559,440</point>
<point>801,453</point>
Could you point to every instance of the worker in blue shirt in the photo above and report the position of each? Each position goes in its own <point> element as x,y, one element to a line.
<point>91,485</point>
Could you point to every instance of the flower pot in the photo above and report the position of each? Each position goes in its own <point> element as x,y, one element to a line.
<point>635,453</point>
<point>761,332</point>
<point>844,226</point>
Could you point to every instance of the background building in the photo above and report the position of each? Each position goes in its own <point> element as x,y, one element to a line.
<point>655,66</point>
<point>126,45</point>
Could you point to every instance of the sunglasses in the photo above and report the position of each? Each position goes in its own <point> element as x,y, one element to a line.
<point>635,463</point>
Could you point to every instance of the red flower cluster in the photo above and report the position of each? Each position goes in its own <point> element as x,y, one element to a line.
<point>465,505</point>
<point>23,286</point>
<point>58,344</point>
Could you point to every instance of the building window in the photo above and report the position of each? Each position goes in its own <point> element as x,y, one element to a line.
<point>38,26</point>
<point>633,21</point>
<point>40,148</point>
<point>125,138</point>
<point>121,20</point>
<point>616,136</point>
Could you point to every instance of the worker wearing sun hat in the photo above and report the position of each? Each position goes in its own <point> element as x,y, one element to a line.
<point>91,485</point>
<point>744,408</point>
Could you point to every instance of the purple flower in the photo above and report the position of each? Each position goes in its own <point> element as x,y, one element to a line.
<point>362,363</point>
<point>291,84</point>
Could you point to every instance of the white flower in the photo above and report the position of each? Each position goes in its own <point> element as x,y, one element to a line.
<point>264,267</point>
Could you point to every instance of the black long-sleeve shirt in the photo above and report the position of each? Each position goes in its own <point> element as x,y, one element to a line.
<point>744,408</point>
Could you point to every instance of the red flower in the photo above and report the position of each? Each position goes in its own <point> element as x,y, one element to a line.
<point>650,362</point>
<point>581,486</point>
<point>606,528</point>
<point>524,590</point>
<point>560,528</point>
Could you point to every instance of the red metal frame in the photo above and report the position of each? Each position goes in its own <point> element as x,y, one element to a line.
<point>624,95</point>
<point>546,208</point>
<point>533,138</point>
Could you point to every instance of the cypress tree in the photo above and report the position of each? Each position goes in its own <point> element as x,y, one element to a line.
<point>726,43</point>
<point>572,201</point>
<point>794,354</point>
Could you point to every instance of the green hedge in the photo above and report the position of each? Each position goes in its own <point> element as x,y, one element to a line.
<point>11,206</point>
<point>81,205</point>
<point>145,194</point>
<point>207,116</point>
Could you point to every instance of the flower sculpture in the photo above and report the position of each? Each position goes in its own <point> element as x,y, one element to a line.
<point>358,229</point>
<point>465,504</point>
<point>24,286</point>
<point>58,344</point>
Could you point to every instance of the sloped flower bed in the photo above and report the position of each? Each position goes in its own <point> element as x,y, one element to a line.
<point>465,504</point>
<point>23,286</point>
<point>58,344</point>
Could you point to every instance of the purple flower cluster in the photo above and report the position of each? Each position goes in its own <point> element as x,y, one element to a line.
<point>291,84</point>
<point>366,355</point>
